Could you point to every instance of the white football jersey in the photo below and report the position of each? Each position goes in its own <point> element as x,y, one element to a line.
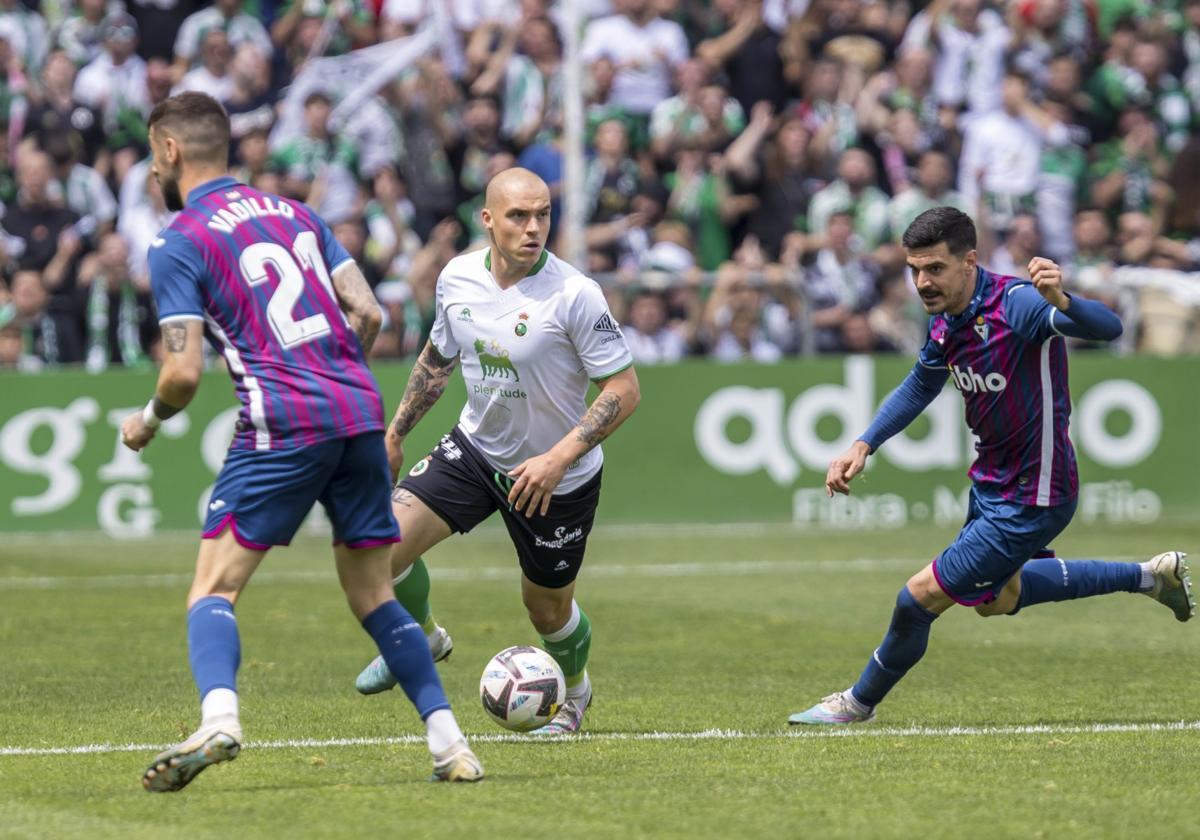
<point>528,353</point>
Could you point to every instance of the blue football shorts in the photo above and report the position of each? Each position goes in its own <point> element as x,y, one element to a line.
<point>998,537</point>
<point>264,495</point>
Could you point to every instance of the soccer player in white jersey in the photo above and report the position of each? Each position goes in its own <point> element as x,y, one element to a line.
<point>531,334</point>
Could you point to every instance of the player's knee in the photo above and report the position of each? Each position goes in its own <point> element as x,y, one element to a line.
<point>989,609</point>
<point>547,615</point>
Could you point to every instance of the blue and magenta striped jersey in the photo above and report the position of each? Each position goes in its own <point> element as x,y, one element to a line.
<point>1009,362</point>
<point>256,269</point>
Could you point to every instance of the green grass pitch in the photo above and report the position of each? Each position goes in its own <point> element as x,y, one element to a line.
<point>1070,720</point>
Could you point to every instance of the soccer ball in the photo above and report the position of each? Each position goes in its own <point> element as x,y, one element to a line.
<point>522,688</point>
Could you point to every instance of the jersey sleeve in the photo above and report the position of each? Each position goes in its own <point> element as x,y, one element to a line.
<point>597,337</point>
<point>1028,313</point>
<point>931,356</point>
<point>440,334</point>
<point>335,254</point>
<point>176,274</point>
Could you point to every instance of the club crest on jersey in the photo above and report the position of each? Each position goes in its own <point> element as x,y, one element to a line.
<point>606,324</point>
<point>494,360</point>
<point>981,328</point>
<point>521,328</point>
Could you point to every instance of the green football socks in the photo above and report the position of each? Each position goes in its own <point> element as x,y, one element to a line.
<point>412,591</point>
<point>570,645</point>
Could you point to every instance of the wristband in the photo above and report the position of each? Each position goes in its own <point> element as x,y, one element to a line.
<point>152,420</point>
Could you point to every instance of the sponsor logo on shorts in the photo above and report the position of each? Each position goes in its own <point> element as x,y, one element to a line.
<point>562,566</point>
<point>450,449</point>
<point>562,537</point>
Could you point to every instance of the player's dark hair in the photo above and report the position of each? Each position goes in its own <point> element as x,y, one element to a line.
<point>198,123</point>
<point>941,224</point>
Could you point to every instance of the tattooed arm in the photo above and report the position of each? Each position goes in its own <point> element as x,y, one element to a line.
<point>358,302</point>
<point>183,362</point>
<point>537,477</point>
<point>426,384</point>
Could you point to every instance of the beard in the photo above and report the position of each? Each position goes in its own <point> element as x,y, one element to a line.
<point>170,192</point>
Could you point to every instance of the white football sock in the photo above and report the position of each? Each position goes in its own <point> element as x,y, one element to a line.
<point>582,689</point>
<point>1147,577</point>
<point>219,706</point>
<point>442,730</point>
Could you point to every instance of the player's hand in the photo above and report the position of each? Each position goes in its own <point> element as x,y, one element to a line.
<point>135,433</point>
<point>536,479</point>
<point>1048,280</point>
<point>395,453</point>
<point>844,467</point>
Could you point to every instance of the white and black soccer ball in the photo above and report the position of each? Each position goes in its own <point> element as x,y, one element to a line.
<point>522,688</point>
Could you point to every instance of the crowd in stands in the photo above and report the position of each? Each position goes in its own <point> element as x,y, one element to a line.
<point>752,164</point>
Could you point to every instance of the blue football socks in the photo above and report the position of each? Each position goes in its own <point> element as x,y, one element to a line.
<point>1051,579</point>
<point>404,648</point>
<point>902,648</point>
<point>214,649</point>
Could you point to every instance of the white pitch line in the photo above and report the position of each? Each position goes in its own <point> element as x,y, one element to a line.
<point>701,735</point>
<point>481,573</point>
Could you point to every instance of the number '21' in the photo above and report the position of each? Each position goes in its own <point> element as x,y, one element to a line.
<point>305,254</point>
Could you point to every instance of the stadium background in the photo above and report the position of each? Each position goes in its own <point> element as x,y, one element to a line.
<point>737,175</point>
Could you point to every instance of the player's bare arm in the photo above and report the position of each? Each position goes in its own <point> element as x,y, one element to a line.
<point>537,478</point>
<point>358,302</point>
<point>426,384</point>
<point>845,467</point>
<point>178,380</point>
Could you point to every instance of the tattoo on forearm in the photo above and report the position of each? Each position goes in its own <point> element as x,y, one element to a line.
<point>597,424</point>
<point>174,337</point>
<point>426,384</point>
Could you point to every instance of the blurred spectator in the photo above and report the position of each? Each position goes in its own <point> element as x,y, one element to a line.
<point>700,112</point>
<point>701,198</point>
<point>748,51</point>
<point>304,158</point>
<point>120,328</point>
<point>83,189</point>
<point>610,183</point>
<point>651,339</point>
<point>213,74</point>
<point>1140,79</point>
<point>57,109</point>
<point>224,16</point>
<point>525,70</point>
<point>471,151</point>
<point>778,173</point>
<point>81,35</point>
<point>1127,172</point>
<point>1022,242</point>
<point>25,31</point>
<point>250,104</point>
<point>644,49</point>
<point>896,322</point>
<point>828,109</point>
<point>48,338</point>
<point>935,179</point>
<point>44,234</point>
<point>735,317</point>
<point>839,282</point>
<point>339,25</point>
<point>1002,154</point>
<point>392,243</point>
<point>116,79</point>
<point>854,193</point>
<point>142,214</point>
<point>1062,175</point>
<point>969,41</point>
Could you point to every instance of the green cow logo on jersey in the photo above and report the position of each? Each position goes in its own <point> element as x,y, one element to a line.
<point>496,362</point>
